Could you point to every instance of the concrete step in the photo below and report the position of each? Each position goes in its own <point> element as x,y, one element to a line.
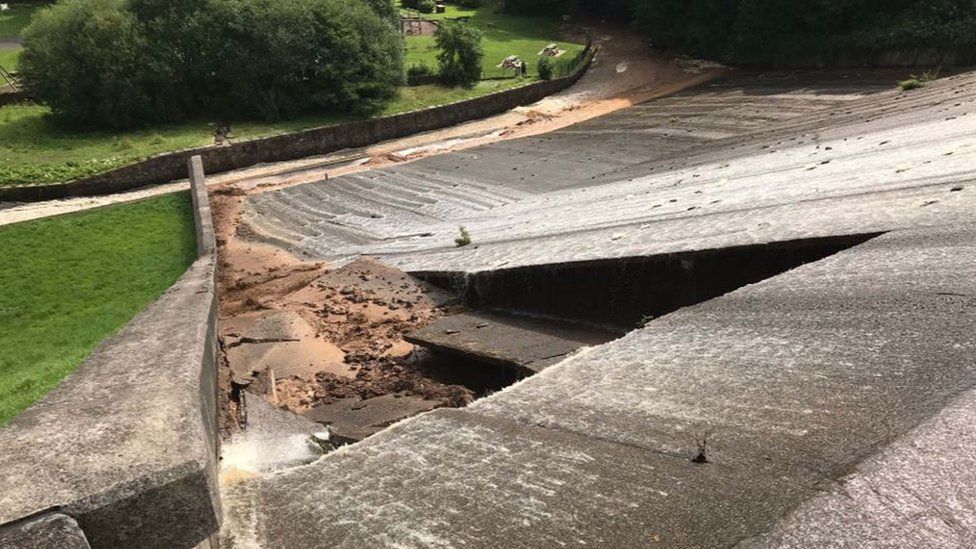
<point>528,344</point>
<point>351,419</point>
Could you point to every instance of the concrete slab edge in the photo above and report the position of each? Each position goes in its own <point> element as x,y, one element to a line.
<point>174,506</point>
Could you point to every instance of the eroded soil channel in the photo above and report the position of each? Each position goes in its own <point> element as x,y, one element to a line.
<point>360,346</point>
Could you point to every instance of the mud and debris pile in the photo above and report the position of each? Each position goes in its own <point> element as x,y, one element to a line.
<point>324,343</point>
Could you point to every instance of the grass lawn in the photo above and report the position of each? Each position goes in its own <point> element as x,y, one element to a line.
<point>9,60</point>
<point>504,35</point>
<point>34,149</point>
<point>14,20</point>
<point>68,282</point>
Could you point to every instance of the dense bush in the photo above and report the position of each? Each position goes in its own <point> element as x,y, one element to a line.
<point>426,6</point>
<point>419,70</point>
<point>554,8</point>
<point>385,9</point>
<point>84,59</point>
<point>815,32</point>
<point>469,4</point>
<point>118,64</point>
<point>280,58</point>
<point>460,53</point>
<point>545,68</point>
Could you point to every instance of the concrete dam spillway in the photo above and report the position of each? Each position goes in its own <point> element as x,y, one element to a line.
<point>809,239</point>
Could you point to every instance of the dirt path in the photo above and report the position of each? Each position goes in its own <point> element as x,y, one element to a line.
<point>623,74</point>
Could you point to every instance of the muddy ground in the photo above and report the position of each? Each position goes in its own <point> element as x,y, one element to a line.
<point>324,341</point>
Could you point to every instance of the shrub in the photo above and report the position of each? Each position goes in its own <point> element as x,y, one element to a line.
<point>460,53</point>
<point>546,68</point>
<point>464,239</point>
<point>554,8</point>
<point>918,81</point>
<point>419,70</point>
<point>385,9</point>
<point>84,59</point>
<point>815,33</point>
<point>469,4</point>
<point>279,58</point>
<point>426,6</point>
<point>122,63</point>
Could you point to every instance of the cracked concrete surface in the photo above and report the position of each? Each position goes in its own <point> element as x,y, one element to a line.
<point>838,395</point>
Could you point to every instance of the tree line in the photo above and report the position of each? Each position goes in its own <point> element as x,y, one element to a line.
<point>122,63</point>
<point>792,32</point>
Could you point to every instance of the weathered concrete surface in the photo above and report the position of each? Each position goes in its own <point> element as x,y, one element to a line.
<point>464,480</point>
<point>126,445</point>
<point>879,162</point>
<point>917,493</point>
<point>520,342</point>
<point>354,213</point>
<point>47,531</point>
<point>352,419</point>
<point>836,397</point>
<point>796,379</point>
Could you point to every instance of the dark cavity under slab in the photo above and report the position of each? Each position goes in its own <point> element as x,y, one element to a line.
<point>528,318</point>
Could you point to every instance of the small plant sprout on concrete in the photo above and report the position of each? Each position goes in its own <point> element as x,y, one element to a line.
<point>701,446</point>
<point>464,239</point>
<point>916,81</point>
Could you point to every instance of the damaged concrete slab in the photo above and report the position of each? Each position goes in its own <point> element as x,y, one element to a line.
<point>763,413</point>
<point>353,419</point>
<point>794,381</point>
<point>523,343</point>
<point>469,480</point>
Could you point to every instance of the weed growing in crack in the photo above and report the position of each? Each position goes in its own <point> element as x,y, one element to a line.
<point>701,444</point>
<point>916,81</point>
<point>464,239</point>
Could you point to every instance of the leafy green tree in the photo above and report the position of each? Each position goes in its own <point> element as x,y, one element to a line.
<point>121,63</point>
<point>460,54</point>
<point>553,8</point>
<point>385,9</point>
<point>279,58</point>
<point>85,60</point>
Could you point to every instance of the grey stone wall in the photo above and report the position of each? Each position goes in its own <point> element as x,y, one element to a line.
<point>125,448</point>
<point>170,166</point>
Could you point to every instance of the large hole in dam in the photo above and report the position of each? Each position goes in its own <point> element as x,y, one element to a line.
<point>490,329</point>
<point>524,319</point>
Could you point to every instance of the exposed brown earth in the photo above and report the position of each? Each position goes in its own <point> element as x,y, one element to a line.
<point>302,336</point>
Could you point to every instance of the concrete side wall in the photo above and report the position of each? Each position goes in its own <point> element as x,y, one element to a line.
<point>170,166</point>
<point>123,453</point>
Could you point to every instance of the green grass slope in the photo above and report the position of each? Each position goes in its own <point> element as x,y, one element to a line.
<point>68,282</point>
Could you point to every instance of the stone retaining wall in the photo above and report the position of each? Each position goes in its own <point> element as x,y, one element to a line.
<point>123,453</point>
<point>170,166</point>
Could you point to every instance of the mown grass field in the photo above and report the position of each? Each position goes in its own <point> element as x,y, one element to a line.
<point>68,282</point>
<point>14,20</point>
<point>9,60</point>
<point>504,35</point>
